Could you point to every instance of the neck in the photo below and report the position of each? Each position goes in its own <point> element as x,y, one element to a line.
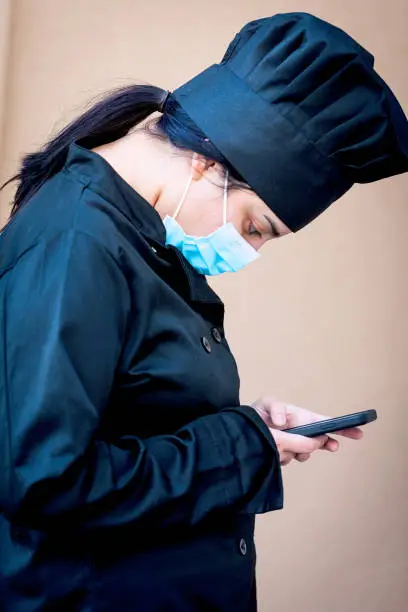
<point>142,161</point>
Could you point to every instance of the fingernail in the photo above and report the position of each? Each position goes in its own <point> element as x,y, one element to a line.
<point>280,419</point>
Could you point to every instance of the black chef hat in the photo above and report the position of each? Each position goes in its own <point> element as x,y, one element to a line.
<point>298,110</point>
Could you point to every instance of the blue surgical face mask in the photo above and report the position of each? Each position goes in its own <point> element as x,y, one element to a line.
<point>225,250</point>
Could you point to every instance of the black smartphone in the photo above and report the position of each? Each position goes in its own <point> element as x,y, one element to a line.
<point>332,425</point>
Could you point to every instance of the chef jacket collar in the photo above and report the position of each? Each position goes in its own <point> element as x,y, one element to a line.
<point>103,179</point>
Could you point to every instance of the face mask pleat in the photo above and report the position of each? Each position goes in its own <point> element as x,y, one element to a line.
<point>224,250</point>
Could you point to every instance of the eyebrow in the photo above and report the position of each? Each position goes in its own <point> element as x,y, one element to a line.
<point>274,229</point>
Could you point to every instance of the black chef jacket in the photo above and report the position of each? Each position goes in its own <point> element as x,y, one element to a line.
<point>129,473</point>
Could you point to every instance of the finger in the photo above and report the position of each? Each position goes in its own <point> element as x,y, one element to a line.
<point>286,458</point>
<point>277,411</point>
<point>302,457</point>
<point>331,445</point>
<point>278,415</point>
<point>354,433</point>
<point>299,444</point>
<point>320,441</point>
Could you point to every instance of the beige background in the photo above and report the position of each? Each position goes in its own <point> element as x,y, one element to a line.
<point>320,321</point>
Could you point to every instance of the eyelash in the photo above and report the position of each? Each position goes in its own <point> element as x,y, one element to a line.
<point>252,231</point>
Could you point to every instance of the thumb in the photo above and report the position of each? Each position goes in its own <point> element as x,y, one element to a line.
<point>299,444</point>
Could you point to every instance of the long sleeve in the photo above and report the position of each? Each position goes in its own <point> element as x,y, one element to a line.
<point>64,314</point>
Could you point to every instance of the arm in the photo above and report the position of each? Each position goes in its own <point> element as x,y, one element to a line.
<point>66,309</point>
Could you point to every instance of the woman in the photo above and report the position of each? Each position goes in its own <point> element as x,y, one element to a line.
<point>130,473</point>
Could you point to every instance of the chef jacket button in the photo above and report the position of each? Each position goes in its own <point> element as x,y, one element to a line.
<point>216,335</point>
<point>242,546</point>
<point>206,344</point>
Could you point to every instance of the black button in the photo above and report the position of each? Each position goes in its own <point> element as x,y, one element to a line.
<point>216,335</point>
<point>242,546</point>
<point>206,344</point>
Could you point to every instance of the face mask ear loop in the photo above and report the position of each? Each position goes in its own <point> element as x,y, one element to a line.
<point>225,198</point>
<point>183,197</point>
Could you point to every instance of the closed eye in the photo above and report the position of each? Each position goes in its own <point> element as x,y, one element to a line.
<point>253,231</point>
<point>274,230</point>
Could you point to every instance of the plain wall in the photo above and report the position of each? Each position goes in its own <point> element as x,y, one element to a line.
<point>320,321</point>
<point>5,29</point>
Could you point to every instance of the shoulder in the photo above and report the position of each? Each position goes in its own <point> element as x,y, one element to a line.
<point>66,211</point>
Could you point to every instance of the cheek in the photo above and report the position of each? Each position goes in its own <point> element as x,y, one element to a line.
<point>201,217</point>
<point>236,213</point>
<point>256,242</point>
<point>240,215</point>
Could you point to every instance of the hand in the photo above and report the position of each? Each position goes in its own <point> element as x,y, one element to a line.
<point>277,416</point>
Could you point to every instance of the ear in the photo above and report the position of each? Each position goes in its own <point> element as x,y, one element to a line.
<point>199,165</point>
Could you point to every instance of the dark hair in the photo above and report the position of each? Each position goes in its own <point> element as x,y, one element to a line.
<point>109,119</point>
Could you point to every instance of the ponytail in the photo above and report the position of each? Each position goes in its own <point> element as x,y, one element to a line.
<point>108,120</point>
